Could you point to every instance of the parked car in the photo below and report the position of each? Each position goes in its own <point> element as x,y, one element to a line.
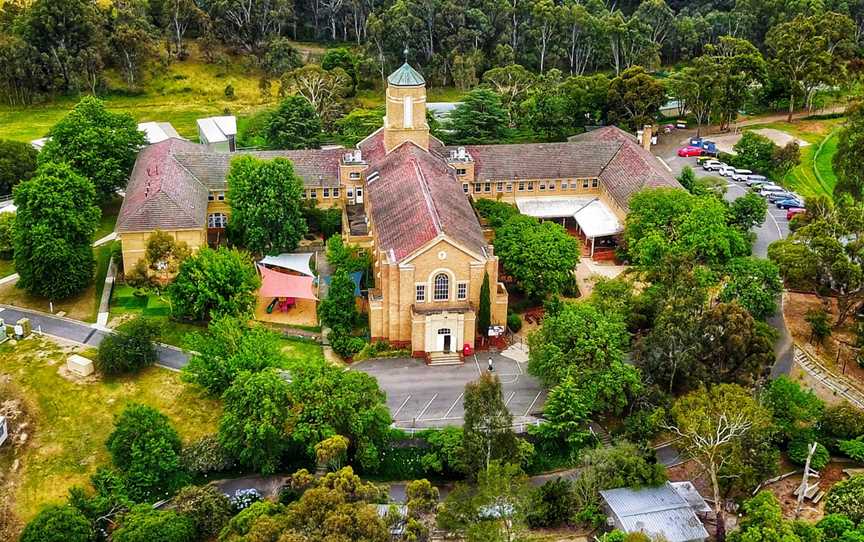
<point>768,190</point>
<point>725,171</point>
<point>690,150</point>
<point>795,211</point>
<point>754,179</point>
<point>777,196</point>
<point>757,187</point>
<point>789,203</point>
<point>696,141</point>
<point>681,123</point>
<point>668,128</point>
<point>709,147</point>
<point>741,174</point>
<point>711,164</point>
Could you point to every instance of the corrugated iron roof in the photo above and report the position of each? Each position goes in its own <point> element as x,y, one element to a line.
<point>655,511</point>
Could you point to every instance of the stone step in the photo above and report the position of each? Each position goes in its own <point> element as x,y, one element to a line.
<point>445,358</point>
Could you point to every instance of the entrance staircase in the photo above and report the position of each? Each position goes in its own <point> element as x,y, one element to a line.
<point>444,358</point>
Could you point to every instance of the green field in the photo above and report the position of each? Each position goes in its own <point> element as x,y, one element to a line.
<point>125,304</point>
<point>69,421</point>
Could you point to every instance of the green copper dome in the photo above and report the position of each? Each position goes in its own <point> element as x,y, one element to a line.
<point>406,76</point>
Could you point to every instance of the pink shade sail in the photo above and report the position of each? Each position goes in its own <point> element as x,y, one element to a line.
<point>276,284</point>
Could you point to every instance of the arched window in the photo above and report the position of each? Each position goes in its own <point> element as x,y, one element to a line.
<point>217,220</point>
<point>442,287</point>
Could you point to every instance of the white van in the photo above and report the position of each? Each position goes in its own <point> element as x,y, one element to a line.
<point>741,174</point>
<point>725,170</point>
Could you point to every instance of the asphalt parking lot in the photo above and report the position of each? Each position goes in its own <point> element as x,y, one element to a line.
<point>420,396</point>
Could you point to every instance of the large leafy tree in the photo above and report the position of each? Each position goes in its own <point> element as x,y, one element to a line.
<point>734,65</point>
<point>635,98</point>
<point>214,283</point>
<point>249,26</point>
<point>793,408</point>
<point>487,433</point>
<point>540,256</point>
<point>747,212</point>
<point>512,84</point>
<point>755,284</point>
<point>58,523</point>
<point>763,520</point>
<point>265,198</point>
<point>711,425</point>
<point>325,89</point>
<point>54,225</point>
<point>146,449</point>
<point>206,506</point>
<point>145,524</point>
<point>254,424</point>
<point>96,143</point>
<point>294,125</point>
<point>479,119</point>
<point>330,401</point>
<point>755,152</point>
<point>17,163</point>
<point>338,310</point>
<point>849,169</point>
<point>229,346</point>
<point>668,222</point>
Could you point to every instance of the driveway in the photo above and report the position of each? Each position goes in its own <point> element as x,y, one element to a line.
<point>421,396</point>
<point>774,228</point>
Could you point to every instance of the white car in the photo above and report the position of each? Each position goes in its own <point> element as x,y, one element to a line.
<point>725,170</point>
<point>766,190</point>
<point>741,174</point>
<point>712,165</point>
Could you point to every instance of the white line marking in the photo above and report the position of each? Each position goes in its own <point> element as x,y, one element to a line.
<point>662,161</point>
<point>512,395</point>
<point>477,363</point>
<point>398,410</point>
<point>420,416</point>
<point>532,403</point>
<point>456,402</point>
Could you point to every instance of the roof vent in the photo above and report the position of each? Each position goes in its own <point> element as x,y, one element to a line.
<point>372,177</point>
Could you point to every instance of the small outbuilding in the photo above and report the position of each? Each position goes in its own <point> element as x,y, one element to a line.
<point>668,511</point>
<point>218,133</point>
<point>79,365</point>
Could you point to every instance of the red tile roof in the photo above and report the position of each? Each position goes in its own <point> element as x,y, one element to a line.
<point>414,199</point>
<point>161,194</point>
<point>540,160</point>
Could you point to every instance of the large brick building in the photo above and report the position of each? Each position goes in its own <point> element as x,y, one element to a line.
<point>405,196</point>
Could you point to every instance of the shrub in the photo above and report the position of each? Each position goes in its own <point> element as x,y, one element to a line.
<point>206,455</point>
<point>58,524</point>
<point>144,524</point>
<point>129,349</point>
<point>820,325</point>
<point>514,322</point>
<point>800,447</point>
<point>847,498</point>
<point>444,455</point>
<point>842,422</point>
<point>853,448</point>
<point>7,231</point>
<point>208,508</point>
<point>345,345</point>
<point>244,498</point>
<point>552,504</point>
<point>496,213</point>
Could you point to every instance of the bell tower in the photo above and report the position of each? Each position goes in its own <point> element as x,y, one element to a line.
<point>405,119</point>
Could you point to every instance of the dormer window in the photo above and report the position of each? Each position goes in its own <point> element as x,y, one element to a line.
<point>354,175</point>
<point>461,171</point>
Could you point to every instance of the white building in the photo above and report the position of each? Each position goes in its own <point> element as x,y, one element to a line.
<point>156,132</point>
<point>670,511</point>
<point>218,133</point>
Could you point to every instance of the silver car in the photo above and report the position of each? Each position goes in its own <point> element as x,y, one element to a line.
<point>741,174</point>
<point>713,165</point>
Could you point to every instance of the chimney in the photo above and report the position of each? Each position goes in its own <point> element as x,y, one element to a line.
<point>646,137</point>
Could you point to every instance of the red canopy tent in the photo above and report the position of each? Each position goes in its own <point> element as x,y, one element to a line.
<point>276,284</point>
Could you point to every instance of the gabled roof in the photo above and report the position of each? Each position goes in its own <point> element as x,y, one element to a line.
<point>406,76</point>
<point>655,511</point>
<point>415,198</point>
<point>541,160</point>
<point>217,129</point>
<point>161,194</point>
<point>631,169</point>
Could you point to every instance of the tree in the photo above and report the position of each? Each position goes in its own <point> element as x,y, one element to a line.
<point>206,506</point>
<point>145,524</point>
<point>230,346</point>
<point>294,125</point>
<point>54,227</point>
<point>755,284</point>
<point>847,497</point>
<point>175,18</point>
<point>331,452</point>
<point>265,198</point>
<point>487,433</point>
<point>214,283</point>
<point>747,212</point>
<point>495,510</point>
<point>330,401</point>
<point>359,123</point>
<point>58,523</point>
<point>338,310</point>
<point>785,158</point>
<point>850,170</point>
<point>792,407</point>
<point>253,426</point>
<point>249,26</point>
<point>566,414</point>
<point>341,57</point>
<point>696,89</point>
<point>755,152</point>
<point>665,221</point>
<point>810,51</point>
<point>512,83</point>
<point>146,449</point>
<point>324,89</point>
<point>484,311</point>
<point>131,40</point>
<point>635,98</point>
<point>763,520</point>
<point>97,144</point>
<point>841,421</point>
<point>17,163</point>
<point>735,65</point>
<point>479,119</point>
<point>687,178</point>
<point>552,504</point>
<point>540,256</point>
<point>7,236</point>
<point>711,424</point>
<point>129,349</point>
<point>281,57</point>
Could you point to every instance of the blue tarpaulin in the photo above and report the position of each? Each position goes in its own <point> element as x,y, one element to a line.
<point>356,276</point>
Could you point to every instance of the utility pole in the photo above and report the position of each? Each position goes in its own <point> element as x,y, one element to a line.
<point>805,486</point>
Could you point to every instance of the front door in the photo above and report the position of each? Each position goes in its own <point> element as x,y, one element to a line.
<point>358,195</point>
<point>444,340</point>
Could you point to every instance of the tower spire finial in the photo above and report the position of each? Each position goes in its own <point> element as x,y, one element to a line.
<point>405,52</point>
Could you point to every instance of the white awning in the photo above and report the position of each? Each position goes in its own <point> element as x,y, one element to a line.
<point>295,262</point>
<point>597,220</point>
<point>550,207</point>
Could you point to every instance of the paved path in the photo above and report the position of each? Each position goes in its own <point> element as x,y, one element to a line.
<point>80,332</point>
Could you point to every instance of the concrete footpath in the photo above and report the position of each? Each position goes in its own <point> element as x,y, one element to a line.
<point>170,357</point>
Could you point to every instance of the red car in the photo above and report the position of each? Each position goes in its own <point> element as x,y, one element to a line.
<point>690,150</point>
<point>793,212</point>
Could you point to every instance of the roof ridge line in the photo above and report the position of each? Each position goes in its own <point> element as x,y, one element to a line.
<point>427,196</point>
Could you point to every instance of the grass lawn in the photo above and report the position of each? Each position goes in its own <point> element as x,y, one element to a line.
<point>84,306</point>
<point>814,175</point>
<point>109,218</point>
<point>125,304</point>
<point>7,267</point>
<point>69,421</point>
<point>299,349</point>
